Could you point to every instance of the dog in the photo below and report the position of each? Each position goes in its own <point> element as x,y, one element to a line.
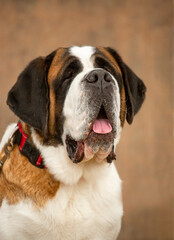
<point>58,180</point>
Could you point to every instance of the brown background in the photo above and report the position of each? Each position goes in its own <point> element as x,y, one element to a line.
<point>141,31</point>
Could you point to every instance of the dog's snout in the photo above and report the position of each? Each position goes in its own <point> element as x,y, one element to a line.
<point>97,76</point>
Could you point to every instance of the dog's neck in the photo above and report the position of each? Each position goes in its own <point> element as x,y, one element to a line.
<point>60,165</point>
<point>57,162</point>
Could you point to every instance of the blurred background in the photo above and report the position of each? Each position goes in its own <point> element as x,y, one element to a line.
<point>141,31</point>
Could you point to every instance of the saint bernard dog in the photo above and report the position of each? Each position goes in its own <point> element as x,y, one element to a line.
<point>58,180</point>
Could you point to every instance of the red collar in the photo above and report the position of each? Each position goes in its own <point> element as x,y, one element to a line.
<point>27,148</point>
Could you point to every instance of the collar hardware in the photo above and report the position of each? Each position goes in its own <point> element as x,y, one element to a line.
<point>7,149</point>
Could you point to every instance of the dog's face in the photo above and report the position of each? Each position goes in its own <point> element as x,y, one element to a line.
<point>78,97</point>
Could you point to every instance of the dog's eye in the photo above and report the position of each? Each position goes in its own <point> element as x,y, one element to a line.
<point>102,63</point>
<point>68,74</point>
<point>71,71</point>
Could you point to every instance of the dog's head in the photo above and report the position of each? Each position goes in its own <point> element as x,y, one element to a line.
<point>78,97</point>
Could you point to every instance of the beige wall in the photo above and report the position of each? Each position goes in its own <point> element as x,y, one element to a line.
<point>141,31</point>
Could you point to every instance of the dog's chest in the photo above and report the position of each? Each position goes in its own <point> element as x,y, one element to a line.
<point>87,210</point>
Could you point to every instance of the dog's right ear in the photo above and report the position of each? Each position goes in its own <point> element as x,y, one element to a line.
<point>29,97</point>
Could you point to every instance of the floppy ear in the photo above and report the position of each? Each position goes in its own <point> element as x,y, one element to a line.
<point>135,93</point>
<point>29,98</point>
<point>134,87</point>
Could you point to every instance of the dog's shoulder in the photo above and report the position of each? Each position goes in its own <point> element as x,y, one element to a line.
<point>20,179</point>
<point>32,196</point>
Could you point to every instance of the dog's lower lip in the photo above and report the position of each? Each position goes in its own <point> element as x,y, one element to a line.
<point>75,149</point>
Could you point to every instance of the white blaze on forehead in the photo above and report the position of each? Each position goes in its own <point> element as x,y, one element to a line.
<point>75,107</point>
<point>84,55</point>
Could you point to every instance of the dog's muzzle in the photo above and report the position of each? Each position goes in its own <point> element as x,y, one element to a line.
<point>99,90</point>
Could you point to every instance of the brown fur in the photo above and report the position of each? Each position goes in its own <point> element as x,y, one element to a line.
<point>55,67</point>
<point>111,59</point>
<point>123,106</point>
<point>19,180</point>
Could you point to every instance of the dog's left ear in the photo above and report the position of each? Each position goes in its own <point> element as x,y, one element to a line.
<point>29,97</point>
<point>135,93</point>
<point>134,87</point>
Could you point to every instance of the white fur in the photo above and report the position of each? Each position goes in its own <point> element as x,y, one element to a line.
<point>8,133</point>
<point>76,110</point>
<point>84,54</point>
<point>87,205</point>
<point>58,163</point>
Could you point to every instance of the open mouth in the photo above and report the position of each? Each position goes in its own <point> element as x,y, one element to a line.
<point>100,136</point>
<point>102,124</point>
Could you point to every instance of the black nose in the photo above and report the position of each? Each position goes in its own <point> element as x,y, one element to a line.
<point>98,75</point>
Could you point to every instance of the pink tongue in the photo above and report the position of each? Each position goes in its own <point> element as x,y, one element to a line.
<point>102,126</point>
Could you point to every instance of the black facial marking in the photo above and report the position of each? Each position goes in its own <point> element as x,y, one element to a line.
<point>111,156</point>
<point>71,71</point>
<point>75,149</point>
<point>104,64</point>
<point>65,77</point>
